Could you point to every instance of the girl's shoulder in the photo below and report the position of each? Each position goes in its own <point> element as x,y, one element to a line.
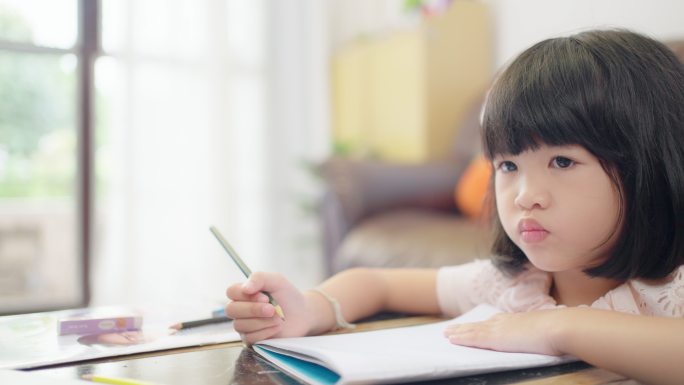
<point>663,297</point>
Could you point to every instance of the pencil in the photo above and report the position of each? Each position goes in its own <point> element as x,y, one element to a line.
<point>114,380</point>
<point>243,267</point>
<point>200,322</point>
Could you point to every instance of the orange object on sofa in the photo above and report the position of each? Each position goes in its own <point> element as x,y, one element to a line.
<point>471,189</point>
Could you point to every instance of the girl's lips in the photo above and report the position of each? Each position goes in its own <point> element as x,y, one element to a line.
<point>531,231</point>
<point>534,236</point>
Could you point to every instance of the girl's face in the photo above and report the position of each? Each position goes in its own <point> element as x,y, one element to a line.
<point>558,205</point>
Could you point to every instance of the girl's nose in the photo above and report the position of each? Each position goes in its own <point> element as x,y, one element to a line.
<point>530,197</point>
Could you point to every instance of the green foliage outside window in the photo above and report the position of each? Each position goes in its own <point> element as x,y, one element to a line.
<point>37,118</point>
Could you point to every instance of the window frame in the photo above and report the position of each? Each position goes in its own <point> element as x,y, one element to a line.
<point>86,49</point>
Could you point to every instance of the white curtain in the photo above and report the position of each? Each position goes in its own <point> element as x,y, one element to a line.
<point>208,112</point>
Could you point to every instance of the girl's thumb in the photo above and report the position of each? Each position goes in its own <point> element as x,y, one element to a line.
<point>263,281</point>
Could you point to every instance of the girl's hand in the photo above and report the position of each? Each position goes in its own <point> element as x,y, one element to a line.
<point>255,318</point>
<point>531,332</point>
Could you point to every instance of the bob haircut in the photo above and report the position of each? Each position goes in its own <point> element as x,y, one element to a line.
<point>620,95</point>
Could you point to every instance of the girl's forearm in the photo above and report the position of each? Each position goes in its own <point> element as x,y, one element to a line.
<point>359,292</point>
<point>648,349</point>
<point>364,292</point>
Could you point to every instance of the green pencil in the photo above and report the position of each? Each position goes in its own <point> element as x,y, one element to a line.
<point>243,267</point>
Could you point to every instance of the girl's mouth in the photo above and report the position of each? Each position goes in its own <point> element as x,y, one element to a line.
<point>531,231</point>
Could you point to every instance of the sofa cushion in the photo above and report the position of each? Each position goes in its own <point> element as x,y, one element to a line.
<point>471,189</point>
<point>413,238</point>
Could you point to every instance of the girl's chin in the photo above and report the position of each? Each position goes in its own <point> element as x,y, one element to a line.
<point>546,264</point>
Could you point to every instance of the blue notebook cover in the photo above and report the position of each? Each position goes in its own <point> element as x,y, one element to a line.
<point>309,371</point>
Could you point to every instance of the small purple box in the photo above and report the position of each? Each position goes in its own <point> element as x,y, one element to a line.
<point>98,325</point>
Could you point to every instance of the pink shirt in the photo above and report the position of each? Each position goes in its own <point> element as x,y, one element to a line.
<point>462,287</point>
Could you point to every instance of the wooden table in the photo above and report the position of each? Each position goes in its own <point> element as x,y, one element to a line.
<point>232,363</point>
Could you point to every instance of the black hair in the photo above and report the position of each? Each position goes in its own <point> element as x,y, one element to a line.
<point>620,95</point>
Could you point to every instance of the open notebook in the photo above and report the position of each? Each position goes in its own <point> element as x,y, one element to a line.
<point>395,355</point>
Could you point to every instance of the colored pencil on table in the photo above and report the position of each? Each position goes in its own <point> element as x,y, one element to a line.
<point>114,380</point>
<point>200,322</point>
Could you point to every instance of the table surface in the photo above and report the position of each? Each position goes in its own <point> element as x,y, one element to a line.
<point>232,363</point>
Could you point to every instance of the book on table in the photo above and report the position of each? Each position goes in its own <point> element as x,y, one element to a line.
<point>404,354</point>
<point>35,340</point>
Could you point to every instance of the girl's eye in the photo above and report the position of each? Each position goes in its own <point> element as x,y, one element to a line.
<point>507,166</point>
<point>562,162</point>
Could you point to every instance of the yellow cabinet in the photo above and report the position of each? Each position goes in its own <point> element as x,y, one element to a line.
<point>400,97</point>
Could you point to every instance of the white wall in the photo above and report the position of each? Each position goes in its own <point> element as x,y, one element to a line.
<point>521,23</point>
<point>517,23</point>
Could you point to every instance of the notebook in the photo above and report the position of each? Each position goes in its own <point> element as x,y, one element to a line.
<point>405,354</point>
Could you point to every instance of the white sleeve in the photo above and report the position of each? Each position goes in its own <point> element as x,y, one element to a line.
<point>455,287</point>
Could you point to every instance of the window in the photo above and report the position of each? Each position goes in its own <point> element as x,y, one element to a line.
<point>45,50</point>
<point>192,107</point>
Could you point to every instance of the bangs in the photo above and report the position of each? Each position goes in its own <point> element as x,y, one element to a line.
<point>543,98</point>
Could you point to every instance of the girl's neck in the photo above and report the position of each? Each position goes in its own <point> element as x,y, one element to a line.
<point>573,288</point>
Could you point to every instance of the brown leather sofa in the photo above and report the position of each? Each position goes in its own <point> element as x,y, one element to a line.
<point>387,215</point>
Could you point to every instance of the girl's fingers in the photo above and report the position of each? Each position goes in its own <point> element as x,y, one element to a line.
<point>475,334</point>
<point>455,331</point>
<point>467,338</point>
<point>240,309</point>
<point>460,328</point>
<point>254,337</point>
<point>264,281</point>
<point>236,292</point>
<point>252,325</point>
<point>254,317</point>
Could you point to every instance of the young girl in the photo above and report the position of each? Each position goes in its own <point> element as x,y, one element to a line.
<point>585,136</point>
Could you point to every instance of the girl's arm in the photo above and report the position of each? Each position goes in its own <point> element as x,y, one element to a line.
<point>360,293</point>
<point>365,292</point>
<point>648,349</point>
<point>644,348</point>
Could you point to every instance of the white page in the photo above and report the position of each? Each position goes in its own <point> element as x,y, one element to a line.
<point>403,354</point>
<point>16,377</point>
